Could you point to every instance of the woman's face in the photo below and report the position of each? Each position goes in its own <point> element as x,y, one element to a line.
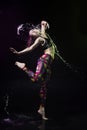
<point>34,32</point>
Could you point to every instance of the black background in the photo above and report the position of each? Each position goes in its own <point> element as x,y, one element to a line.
<point>67,92</point>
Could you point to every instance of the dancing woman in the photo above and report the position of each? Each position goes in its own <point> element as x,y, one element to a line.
<point>37,37</point>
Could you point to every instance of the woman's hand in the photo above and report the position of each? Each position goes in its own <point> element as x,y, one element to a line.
<point>14,51</point>
<point>45,24</point>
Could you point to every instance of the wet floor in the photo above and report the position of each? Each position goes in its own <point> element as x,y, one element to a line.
<point>34,122</point>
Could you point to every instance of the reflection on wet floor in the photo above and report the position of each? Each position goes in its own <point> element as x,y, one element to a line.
<point>23,122</point>
<point>30,122</point>
<point>34,122</point>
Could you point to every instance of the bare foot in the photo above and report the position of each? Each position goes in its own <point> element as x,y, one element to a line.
<point>20,65</point>
<point>44,118</point>
<point>42,113</point>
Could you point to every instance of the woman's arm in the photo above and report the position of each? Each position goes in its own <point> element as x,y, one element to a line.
<point>37,42</point>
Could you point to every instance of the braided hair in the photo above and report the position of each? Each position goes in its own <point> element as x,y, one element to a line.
<point>57,53</point>
<point>23,30</point>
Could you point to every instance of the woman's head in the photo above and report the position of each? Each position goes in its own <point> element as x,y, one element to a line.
<point>45,24</point>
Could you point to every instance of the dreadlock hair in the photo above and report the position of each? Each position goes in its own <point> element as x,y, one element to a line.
<point>23,30</point>
<point>57,54</point>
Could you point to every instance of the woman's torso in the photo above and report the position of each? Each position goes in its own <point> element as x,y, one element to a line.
<point>48,47</point>
<point>50,51</point>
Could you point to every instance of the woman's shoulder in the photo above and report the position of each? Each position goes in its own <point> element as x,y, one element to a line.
<point>44,37</point>
<point>41,39</point>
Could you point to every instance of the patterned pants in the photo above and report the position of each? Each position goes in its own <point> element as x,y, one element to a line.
<point>42,74</point>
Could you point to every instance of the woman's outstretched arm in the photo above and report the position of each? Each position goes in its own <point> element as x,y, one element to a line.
<point>37,42</point>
